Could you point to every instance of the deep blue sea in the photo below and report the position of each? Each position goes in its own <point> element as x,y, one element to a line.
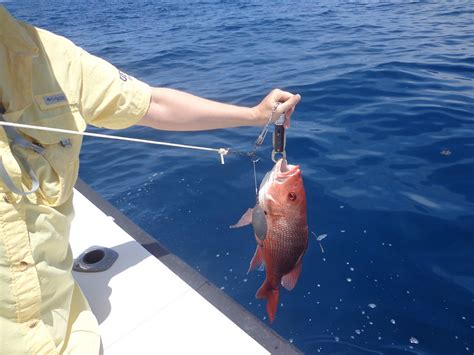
<point>384,135</point>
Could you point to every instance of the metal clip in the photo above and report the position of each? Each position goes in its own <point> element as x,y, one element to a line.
<point>262,135</point>
<point>223,152</point>
<point>264,132</point>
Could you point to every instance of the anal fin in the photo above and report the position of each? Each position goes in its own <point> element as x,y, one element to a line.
<point>289,280</point>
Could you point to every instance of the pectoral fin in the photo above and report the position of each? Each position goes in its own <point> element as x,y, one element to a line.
<point>246,219</point>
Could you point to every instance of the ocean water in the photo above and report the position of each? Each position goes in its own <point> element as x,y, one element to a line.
<point>384,135</point>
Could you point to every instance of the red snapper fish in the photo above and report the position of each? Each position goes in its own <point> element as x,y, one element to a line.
<point>281,230</point>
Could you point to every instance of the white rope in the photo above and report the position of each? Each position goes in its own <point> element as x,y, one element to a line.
<point>220,151</point>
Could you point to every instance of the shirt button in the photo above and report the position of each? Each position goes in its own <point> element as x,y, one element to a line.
<point>22,265</point>
<point>32,323</point>
<point>9,197</point>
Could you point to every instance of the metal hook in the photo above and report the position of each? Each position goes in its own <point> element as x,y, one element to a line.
<point>274,155</point>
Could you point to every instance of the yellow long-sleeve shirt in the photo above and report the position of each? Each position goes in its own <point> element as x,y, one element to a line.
<point>46,80</point>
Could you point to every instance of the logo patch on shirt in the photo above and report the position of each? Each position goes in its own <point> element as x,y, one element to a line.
<point>54,99</point>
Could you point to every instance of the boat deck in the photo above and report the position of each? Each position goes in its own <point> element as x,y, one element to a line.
<point>150,301</point>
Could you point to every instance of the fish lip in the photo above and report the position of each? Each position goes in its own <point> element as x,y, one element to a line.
<point>294,169</point>
<point>284,169</point>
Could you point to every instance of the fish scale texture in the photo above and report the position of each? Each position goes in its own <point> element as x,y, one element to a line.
<point>285,244</point>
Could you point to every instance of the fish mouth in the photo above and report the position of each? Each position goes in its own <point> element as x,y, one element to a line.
<point>283,169</point>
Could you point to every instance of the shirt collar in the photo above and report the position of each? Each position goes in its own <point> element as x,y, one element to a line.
<point>14,36</point>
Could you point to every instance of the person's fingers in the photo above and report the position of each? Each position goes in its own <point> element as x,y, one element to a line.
<point>292,101</point>
<point>276,103</point>
<point>281,96</point>
<point>288,117</point>
<point>288,105</point>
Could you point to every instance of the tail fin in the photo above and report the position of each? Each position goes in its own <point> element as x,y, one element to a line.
<point>271,294</point>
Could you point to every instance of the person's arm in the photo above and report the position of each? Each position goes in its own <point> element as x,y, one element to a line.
<point>179,111</point>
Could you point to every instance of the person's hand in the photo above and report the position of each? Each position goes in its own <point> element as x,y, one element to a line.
<point>274,104</point>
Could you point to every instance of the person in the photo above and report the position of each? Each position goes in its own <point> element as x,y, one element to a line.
<point>46,80</point>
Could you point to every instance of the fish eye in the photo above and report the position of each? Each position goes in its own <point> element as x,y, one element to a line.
<point>292,196</point>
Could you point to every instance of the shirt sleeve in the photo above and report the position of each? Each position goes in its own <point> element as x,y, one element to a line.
<point>110,98</point>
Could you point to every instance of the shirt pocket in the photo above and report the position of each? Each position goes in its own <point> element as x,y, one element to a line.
<point>58,165</point>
